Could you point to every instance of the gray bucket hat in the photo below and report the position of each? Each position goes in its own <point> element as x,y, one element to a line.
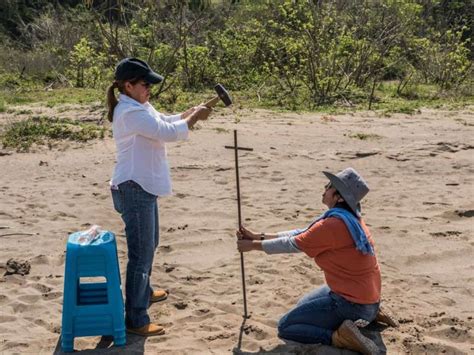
<point>350,185</point>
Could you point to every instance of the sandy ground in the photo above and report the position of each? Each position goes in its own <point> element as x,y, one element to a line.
<point>420,209</point>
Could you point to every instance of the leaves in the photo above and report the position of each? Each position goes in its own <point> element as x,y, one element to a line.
<point>288,53</point>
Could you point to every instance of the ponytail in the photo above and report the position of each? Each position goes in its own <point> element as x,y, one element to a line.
<point>111,100</point>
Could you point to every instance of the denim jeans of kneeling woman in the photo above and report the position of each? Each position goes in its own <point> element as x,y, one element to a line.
<point>319,313</point>
<point>139,212</point>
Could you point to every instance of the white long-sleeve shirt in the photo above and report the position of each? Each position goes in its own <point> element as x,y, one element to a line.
<point>140,133</point>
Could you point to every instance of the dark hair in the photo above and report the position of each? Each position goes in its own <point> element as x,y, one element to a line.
<point>344,205</point>
<point>111,99</point>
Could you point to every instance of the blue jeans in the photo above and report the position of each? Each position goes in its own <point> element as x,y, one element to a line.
<point>139,212</point>
<point>319,313</point>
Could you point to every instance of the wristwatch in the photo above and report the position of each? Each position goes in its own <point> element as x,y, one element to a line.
<point>262,236</point>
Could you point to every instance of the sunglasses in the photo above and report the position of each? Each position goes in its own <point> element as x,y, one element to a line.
<point>144,84</point>
<point>327,186</point>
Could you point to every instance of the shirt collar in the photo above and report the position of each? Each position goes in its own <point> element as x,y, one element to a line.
<point>127,99</point>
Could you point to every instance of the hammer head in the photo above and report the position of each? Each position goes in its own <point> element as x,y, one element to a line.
<point>223,94</point>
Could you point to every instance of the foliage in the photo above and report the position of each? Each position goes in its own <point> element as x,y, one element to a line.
<point>445,62</point>
<point>86,65</point>
<point>29,92</point>
<point>284,53</point>
<point>40,129</point>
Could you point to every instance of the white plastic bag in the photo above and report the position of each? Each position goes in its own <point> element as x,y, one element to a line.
<point>89,236</point>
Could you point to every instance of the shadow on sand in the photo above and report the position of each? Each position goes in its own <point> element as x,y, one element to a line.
<point>372,331</point>
<point>135,345</point>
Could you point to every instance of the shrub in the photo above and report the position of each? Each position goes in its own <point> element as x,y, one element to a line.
<point>86,65</point>
<point>41,129</point>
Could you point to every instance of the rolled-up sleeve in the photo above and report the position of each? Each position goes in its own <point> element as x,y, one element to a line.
<point>171,118</point>
<point>142,122</point>
<point>182,129</point>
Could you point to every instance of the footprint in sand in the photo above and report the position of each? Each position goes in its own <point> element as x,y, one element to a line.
<point>29,299</point>
<point>4,299</point>
<point>19,307</point>
<point>52,295</point>
<point>51,327</point>
<point>454,333</point>
<point>445,234</point>
<point>256,331</point>
<point>225,335</point>
<point>180,305</point>
<point>42,288</point>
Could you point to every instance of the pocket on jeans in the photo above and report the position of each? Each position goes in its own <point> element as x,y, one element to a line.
<point>117,200</point>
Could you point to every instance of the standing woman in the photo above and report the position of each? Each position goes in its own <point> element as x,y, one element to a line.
<point>341,245</point>
<point>141,175</point>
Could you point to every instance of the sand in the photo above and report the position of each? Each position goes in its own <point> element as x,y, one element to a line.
<point>420,210</point>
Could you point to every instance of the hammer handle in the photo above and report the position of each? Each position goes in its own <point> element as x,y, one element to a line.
<point>211,103</point>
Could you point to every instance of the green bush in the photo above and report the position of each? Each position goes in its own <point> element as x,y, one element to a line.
<point>445,60</point>
<point>196,68</point>
<point>86,65</point>
<point>283,54</point>
<point>41,130</point>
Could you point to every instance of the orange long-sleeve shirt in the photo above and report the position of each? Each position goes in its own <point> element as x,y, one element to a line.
<point>348,272</point>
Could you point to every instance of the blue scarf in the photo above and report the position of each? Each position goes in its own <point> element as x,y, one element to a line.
<point>353,225</point>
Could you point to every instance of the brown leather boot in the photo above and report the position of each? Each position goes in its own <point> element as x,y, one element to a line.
<point>147,330</point>
<point>385,316</point>
<point>158,295</point>
<point>348,336</point>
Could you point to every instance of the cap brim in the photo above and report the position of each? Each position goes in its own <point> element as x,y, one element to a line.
<point>153,78</point>
<point>343,190</point>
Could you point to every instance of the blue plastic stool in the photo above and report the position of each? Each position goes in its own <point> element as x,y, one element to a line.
<point>91,309</point>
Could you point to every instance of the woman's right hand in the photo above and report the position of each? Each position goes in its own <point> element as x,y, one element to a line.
<point>202,112</point>
<point>199,113</point>
<point>247,234</point>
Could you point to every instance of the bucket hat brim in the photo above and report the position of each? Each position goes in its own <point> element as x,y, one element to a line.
<point>344,191</point>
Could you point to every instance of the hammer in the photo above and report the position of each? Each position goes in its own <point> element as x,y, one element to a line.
<point>222,94</point>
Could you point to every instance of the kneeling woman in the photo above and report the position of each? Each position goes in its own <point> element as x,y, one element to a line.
<point>341,245</point>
